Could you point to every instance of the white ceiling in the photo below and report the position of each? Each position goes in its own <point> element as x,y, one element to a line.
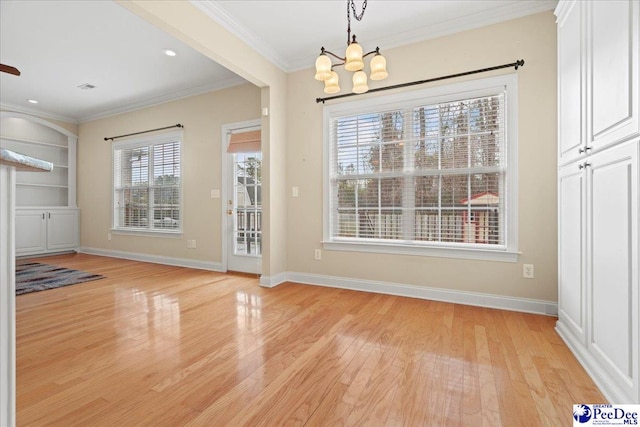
<point>59,45</point>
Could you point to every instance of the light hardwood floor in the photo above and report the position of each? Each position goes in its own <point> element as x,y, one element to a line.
<point>157,345</point>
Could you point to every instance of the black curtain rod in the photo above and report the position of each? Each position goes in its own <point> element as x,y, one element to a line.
<point>517,64</point>
<point>144,131</point>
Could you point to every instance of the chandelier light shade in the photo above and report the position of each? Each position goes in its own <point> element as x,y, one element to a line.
<point>353,60</point>
<point>378,68</point>
<point>360,82</point>
<point>323,68</point>
<point>331,86</point>
<point>353,57</point>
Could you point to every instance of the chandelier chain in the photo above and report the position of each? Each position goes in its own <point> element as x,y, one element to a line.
<point>355,14</point>
<point>352,3</point>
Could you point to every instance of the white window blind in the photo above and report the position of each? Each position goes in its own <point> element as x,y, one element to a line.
<point>147,184</point>
<point>425,173</point>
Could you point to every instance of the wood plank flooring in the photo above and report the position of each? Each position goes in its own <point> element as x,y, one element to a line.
<point>155,345</point>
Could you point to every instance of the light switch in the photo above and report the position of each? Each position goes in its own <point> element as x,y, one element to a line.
<point>215,194</point>
<point>294,192</point>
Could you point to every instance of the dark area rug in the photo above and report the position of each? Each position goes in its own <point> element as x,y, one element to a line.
<point>34,277</point>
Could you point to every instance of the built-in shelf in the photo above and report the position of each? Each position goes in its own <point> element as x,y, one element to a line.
<point>55,188</point>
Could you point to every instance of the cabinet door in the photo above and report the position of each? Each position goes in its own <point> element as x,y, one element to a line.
<point>62,229</point>
<point>613,259</point>
<point>31,233</point>
<point>571,251</point>
<point>570,83</point>
<point>613,69</point>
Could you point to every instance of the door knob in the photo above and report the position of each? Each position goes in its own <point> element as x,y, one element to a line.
<point>230,212</point>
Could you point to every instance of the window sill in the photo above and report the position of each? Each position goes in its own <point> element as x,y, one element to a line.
<point>474,253</point>
<point>149,233</point>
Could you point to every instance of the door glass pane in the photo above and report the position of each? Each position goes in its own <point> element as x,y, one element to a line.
<point>247,199</point>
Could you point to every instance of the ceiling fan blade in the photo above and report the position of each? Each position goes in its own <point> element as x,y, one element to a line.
<point>9,69</point>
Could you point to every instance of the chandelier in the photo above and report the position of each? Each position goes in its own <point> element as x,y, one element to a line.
<point>353,60</point>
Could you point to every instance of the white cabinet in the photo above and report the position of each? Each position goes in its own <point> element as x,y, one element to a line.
<point>572,295</point>
<point>612,235</point>
<point>598,191</point>
<point>571,140</point>
<point>612,69</point>
<point>41,231</point>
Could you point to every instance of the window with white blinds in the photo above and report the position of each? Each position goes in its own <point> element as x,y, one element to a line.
<point>147,184</point>
<point>432,171</point>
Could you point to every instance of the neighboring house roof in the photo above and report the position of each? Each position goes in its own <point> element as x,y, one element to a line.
<point>482,199</point>
<point>250,181</point>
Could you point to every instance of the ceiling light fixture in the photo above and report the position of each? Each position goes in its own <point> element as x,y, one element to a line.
<point>169,52</point>
<point>352,61</point>
<point>32,101</point>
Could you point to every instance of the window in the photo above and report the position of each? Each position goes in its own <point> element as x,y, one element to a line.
<point>428,172</point>
<point>147,194</point>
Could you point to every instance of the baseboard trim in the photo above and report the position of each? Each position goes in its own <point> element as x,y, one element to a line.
<point>609,389</point>
<point>156,259</point>
<point>525,305</point>
<point>273,281</point>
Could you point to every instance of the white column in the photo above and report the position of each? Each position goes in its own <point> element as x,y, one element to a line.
<point>7,297</point>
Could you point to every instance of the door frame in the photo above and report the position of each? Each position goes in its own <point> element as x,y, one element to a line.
<point>224,193</point>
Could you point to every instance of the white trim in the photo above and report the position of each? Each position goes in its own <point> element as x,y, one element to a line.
<point>165,98</point>
<point>467,89</point>
<point>218,14</point>
<point>148,233</point>
<point>438,252</point>
<point>608,387</point>
<point>525,305</point>
<point>273,281</point>
<point>35,112</point>
<point>155,259</point>
<point>19,115</point>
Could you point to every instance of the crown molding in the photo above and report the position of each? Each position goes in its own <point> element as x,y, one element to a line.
<point>168,97</point>
<point>38,113</point>
<point>488,17</point>
<point>218,14</point>
<point>492,16</point>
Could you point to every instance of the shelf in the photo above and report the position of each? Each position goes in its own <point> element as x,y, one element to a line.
<point>24,184</point>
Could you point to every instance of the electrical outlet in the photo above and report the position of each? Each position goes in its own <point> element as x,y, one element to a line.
<point>294,192</point>
<point>108,236</point>
<point>318,255</point>
<point>193,246</point>
<point>527,271</point>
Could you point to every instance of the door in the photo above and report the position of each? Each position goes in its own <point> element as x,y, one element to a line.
<point>244,199</point>
<point>31,231</point>
<point>613,255</point>
<point>572,295</point>
<point>62,229</point>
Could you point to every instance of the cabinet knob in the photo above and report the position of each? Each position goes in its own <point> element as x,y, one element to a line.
<point>584,165</point>
<point>584,150</point>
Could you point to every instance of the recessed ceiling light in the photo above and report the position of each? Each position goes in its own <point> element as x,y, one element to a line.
<point>33,101</point>
<point>169,52</point>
